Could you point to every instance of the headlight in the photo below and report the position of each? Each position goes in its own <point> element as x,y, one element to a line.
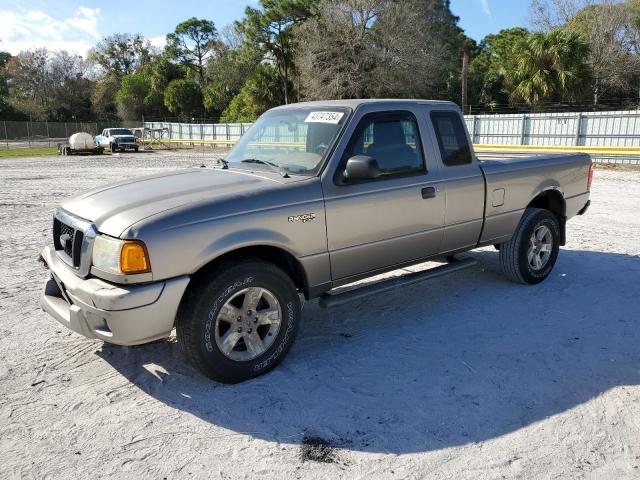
<point>120,256</point>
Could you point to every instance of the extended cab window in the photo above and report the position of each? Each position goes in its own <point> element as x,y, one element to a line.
<point>452,138</point>
<point>392,139</point>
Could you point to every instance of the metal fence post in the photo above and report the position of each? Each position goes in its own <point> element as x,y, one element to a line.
<point>578,129</point>
<point>6,137</point>
<point>523,129</point>
<point>66,132</point>
<point>474,125</point>
<point>228,134</point>
<point>46,124</point>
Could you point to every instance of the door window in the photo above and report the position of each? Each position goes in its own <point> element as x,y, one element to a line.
<point>392,139</point>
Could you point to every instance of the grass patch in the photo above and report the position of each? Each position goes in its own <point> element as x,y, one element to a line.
<point>616,166</point>
<point>29,152</point>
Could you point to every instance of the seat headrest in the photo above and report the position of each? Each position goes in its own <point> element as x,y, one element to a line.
<point>388,133</point>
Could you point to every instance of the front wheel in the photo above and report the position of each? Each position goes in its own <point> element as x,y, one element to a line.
<point>531,253</point>
<point>240,323</point>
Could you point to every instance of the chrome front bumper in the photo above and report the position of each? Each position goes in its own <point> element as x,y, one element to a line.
<point>124,315</point>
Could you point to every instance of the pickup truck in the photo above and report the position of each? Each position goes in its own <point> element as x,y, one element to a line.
<point>117,139</point>
<point>315,196</point>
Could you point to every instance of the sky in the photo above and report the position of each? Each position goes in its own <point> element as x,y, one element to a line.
<point>77,26</point>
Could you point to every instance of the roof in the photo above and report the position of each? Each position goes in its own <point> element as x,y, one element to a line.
<point>354,103</point>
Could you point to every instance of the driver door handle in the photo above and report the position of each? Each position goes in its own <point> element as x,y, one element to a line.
<point>429,192</point>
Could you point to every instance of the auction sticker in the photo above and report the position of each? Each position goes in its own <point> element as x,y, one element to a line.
<point>324,117</point>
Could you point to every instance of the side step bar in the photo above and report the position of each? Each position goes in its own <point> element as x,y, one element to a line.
<point>329,300</point>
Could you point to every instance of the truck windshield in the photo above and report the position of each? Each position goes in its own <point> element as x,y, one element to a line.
<point>120,131</point>
<point>293,139</point>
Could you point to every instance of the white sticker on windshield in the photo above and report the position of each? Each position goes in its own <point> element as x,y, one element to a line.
<point>324,117</point>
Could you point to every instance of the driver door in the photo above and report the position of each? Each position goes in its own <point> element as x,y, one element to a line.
<point>393,219</point>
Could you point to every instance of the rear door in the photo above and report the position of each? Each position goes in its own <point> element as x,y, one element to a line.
<point>393,219</point>
<point>462,182</point>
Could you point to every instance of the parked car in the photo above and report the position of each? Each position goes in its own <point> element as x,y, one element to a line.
<point>118,139</point>
<point>315,196</point>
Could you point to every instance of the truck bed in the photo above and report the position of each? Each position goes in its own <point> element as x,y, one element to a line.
<point>513,181</point>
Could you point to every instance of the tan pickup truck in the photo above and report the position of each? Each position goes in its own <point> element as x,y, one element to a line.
<point>313,197</point>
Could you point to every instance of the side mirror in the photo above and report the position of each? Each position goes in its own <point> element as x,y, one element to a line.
<point>361,167</point>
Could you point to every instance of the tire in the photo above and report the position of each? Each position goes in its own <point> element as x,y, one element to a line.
<point>527,260</point>
<point>135,149</point>
<point>112,147</point>
<point>202,327</point>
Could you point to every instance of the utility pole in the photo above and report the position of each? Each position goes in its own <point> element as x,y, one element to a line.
<point>466,53</point>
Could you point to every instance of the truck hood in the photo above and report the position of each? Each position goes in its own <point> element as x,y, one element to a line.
<point>113,208</point>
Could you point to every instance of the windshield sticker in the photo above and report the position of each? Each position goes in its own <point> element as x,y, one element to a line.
<point>324,117</point>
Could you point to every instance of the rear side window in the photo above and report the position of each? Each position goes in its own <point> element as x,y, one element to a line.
<point>452,138</point>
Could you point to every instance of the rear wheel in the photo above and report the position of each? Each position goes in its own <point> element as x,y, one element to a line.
<point>531,253</point>
<point>240,323</point>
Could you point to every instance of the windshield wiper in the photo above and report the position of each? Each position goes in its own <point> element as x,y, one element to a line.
<point>225,164</point>
<point>273,166</point>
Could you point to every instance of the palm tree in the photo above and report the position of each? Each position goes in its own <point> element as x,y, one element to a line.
<point>548,66</point>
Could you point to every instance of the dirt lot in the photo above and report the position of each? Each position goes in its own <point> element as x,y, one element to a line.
<point>468,376</point>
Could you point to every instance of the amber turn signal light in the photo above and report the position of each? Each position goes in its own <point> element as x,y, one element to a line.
<point>134,258</point>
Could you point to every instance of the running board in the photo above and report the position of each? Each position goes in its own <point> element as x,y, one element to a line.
<point>329,300</point>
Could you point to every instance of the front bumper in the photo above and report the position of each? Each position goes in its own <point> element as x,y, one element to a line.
<point>124,315</point>
<point>127,145</point>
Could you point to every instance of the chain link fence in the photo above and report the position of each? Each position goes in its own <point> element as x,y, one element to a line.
<point>48,134</point>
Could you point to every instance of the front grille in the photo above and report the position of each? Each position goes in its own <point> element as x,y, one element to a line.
<point>68,231</point>
<point>68,240</point>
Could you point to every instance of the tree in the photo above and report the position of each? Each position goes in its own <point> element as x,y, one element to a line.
<point>120,54</point>
<point>613,51</point>
<point>103,96</point>
<point>548,66</point>
<point>374,48</point>
<point>467,48</point>
<point>131,95</point>
<point>183,97</point>
<point>337,54</point>
<point>272,28</point>
<point>4,59</point>
<point>547,15</point>
<point>232,63</point>
<point>610,28</point>
<point>259,94</point>
<point>492,58</point>
<point>6,110</point>
<point>191,44</point>
<point>31,84</point>
<point>70,87</point>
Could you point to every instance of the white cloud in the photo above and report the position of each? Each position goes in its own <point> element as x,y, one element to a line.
<point>28,29</point>
<point>486,8</point>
